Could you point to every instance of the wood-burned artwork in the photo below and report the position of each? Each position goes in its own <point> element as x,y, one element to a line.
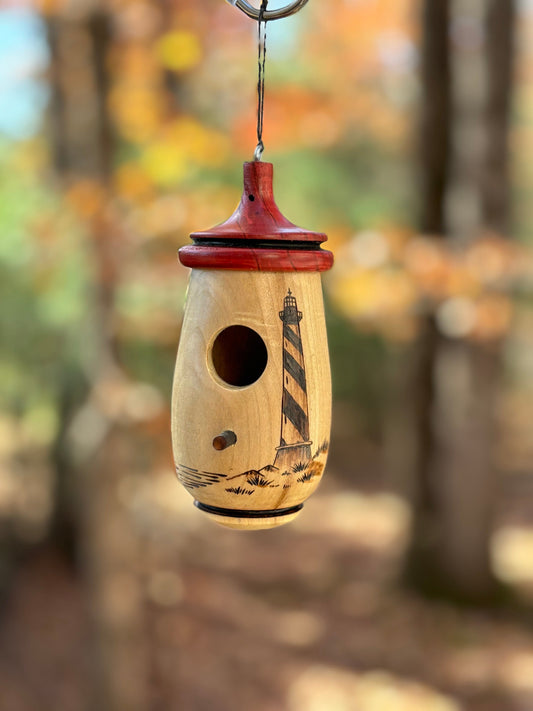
<point>295,460</point>
<point>294,445</point>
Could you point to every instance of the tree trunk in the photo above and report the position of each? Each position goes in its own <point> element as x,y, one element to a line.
<point>436,115</point>
<point>456,382</point>
<point>496,187</point>
<point>93,453</point>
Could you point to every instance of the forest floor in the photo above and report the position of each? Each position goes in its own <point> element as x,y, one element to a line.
<point>309,617</point>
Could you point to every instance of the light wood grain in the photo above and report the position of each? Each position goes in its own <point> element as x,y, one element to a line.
<point>252,474</point>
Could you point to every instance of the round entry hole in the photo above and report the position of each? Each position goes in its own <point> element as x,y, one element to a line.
<point>239,356</point>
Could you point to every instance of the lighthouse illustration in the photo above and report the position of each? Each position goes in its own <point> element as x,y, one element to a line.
<point>294,445</point>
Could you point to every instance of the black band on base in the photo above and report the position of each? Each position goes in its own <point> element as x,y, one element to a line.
<point>236,513</point>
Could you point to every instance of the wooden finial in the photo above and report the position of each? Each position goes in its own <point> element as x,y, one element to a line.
<point>257,237</point>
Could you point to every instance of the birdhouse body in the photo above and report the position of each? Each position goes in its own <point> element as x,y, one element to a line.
<point>281,420</point>
<point>252,394</point>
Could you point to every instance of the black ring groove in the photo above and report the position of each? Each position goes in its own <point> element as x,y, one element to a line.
<point>261,243</point>
<point>237,513</point>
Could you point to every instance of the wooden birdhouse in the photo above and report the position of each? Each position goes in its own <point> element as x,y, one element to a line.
<point>251,403</point>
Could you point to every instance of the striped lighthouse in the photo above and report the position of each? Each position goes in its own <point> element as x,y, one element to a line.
<point>294,446</point>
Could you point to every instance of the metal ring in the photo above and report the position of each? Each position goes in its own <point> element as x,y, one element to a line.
<point>253,12</point>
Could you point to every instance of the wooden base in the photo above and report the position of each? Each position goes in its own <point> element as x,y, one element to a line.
<point>262,524</point>
<point>257,522</point>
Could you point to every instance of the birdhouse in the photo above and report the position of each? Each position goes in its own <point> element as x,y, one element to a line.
<point>251,403</point>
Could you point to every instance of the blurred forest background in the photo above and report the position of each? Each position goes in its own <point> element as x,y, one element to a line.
<point>402,129</point>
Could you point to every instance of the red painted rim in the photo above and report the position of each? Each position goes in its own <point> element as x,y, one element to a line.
<point>256,260</point>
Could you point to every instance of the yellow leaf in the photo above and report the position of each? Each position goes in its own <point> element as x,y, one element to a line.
<point>164,163</point>
<point>179,50</point>
<point>136,111</point>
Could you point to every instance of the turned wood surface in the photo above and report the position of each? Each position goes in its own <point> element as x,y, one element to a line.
<point>257,216</point>
<point>257,237</point>
<point>281,421</point>
<point>255,259</point>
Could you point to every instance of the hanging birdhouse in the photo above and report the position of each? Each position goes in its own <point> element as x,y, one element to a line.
<point>252,396</point>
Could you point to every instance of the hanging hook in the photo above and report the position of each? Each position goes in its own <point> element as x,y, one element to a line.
<point>278,14</point>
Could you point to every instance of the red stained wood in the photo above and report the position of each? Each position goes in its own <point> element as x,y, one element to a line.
<point>257,218</point>
<point>256,260</point>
